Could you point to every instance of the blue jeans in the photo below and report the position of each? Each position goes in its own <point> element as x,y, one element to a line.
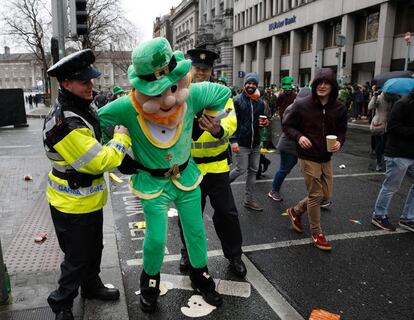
<point>246,159</point>
<point>287,162</point>
<point>397,168</point>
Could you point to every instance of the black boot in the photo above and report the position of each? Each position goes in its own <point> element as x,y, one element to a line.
<point>184,261</point>
<point>265,162</point>
<point>150,290</point>
<point>204,284</point>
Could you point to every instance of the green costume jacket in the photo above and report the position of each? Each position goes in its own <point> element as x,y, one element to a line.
<point>156,147</point>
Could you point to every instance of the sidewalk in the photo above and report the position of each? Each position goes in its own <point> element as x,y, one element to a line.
<point>34,268</point>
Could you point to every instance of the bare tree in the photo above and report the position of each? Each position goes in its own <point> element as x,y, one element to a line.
<point>123,43</point>
<point>29,21</point>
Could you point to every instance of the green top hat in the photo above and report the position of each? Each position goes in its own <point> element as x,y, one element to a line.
<point>117,90</point>
<point>222,79</point>
<point>155,67</point>
<point>287,82</point>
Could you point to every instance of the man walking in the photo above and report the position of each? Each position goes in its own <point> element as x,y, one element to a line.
<point>399,158</point>
<point>245,143</point>
<point>309,122</point>
<point>210,152</point>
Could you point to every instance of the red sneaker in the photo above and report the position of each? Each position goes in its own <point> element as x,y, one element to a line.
<point>320,241</point>
<point>294,220</point>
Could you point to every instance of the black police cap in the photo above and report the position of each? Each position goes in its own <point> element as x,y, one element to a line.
<point>75,66</point>
<point>202,58</point>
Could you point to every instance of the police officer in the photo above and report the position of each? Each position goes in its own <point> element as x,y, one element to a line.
<point>76,190</point>
<point>210,150</point>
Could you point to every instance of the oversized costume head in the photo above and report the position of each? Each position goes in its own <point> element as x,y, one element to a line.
<point>160,78</point>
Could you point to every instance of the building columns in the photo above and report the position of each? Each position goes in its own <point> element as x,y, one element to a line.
<point>348,30</point>
<point>276,50</point>
<point>295,38</point>
<point>317,47</point>
<point>236,66</point>
<point>385,38</point>
<point>260,54</point>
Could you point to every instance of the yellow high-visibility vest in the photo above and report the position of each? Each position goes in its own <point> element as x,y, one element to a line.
<point>75,147</point>
<point>207,146</point>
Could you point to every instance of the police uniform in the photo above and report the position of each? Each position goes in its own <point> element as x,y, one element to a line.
<point>212,156</point>
<point>76,190</point>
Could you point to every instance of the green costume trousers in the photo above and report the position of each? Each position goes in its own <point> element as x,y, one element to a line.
<point>188,204</point>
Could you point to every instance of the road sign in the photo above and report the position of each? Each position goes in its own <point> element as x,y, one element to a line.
<point>240,74</point>
<point>407,37</point>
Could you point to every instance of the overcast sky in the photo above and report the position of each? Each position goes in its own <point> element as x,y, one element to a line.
<point>143,13</point>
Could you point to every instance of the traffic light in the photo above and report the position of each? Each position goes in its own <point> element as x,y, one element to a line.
<point>78,17</point>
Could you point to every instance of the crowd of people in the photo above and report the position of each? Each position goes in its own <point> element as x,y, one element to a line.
<point>184,131</point>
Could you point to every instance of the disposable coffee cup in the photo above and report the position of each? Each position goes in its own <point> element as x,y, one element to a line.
<point>261,120</point>
<point>330,142</point>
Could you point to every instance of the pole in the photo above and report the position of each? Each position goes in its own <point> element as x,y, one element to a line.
<point>338,69</point>
<point>407,58</point>
<point>4,295</point>
<point>59,18</point>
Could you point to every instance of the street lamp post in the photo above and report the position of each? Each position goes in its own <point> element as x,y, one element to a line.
<point>340,42</point>
<point>407,38</point>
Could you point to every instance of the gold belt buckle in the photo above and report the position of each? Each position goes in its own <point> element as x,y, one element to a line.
<point>173,172</point>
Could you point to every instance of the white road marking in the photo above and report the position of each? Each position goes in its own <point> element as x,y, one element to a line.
<point>226,287</point>
<point>15,147</point>
<point>282,244</point>
<point>274,299</point>
<point>363,174</point>
<point>42,156</point>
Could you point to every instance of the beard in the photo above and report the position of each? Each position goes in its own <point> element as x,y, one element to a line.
<point>168,119</point>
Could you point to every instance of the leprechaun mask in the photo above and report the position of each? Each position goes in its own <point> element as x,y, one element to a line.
<point>166,109</point>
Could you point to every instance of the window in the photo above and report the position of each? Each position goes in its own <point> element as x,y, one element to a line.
<point>306,40</point>
<point>243,19</point>
<point>285,44</point>
<point>366,26</point>
<point>268,48</point>
<point>332,29</point>
<point>256,14</point>
<point>405,21</point>
<point>213,13</point>
<point>242,54</point>
<point>253,48</point>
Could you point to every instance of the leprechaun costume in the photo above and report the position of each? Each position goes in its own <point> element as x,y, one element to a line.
<point>164,171</point>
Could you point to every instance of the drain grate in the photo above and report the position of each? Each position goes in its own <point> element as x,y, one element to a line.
<point>23,254</point>
<point>44,313</point>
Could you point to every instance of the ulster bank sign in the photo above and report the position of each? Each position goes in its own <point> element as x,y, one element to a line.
<point>282,23</point>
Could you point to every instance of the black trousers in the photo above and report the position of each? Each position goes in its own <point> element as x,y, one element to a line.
<point>80,237</point>
<point>225,218</point>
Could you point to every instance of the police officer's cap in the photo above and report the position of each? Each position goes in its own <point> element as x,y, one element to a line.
<point>202,58</point>
<point>76,66</point>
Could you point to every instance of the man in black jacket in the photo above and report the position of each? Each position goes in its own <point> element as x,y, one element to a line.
<point>311,120</point>
<point>245,143</point>
<point>399,157</point>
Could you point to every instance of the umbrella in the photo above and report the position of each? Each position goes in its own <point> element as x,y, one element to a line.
<point>400,86</point>
<point>380,79</point>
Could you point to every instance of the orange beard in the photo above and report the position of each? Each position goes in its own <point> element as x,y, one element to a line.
<point>170,120</point>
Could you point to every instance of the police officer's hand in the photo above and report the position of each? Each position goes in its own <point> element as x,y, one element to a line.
<point>305,143</point>
<point>121,129</point>
<point>208,123</point>
<point>235,147</point>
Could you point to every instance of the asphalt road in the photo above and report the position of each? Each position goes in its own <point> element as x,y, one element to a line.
<point>368,274</point>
